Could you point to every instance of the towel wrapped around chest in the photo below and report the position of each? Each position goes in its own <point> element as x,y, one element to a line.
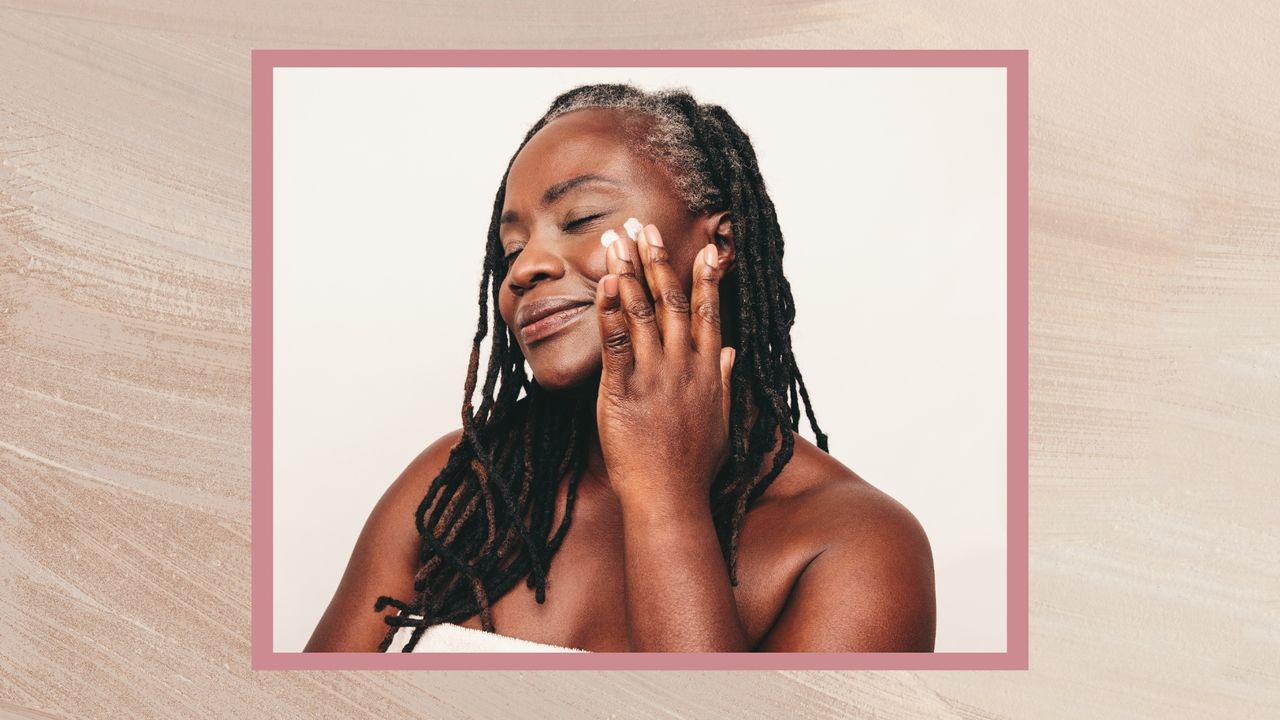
<point>448,637</point>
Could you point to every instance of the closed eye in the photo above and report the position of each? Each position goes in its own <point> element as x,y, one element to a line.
<point>582,221</point>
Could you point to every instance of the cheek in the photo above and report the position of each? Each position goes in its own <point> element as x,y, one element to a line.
<point>506,304</point>
<point>685,272</point>
<point>597,265</point>
<point>682,263</point>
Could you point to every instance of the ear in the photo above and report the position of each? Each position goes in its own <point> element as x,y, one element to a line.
<point>719,229</point>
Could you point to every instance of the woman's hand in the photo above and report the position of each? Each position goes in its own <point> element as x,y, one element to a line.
<point>663,405</point>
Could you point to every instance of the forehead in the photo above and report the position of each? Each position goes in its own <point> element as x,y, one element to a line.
<point>581,141</point>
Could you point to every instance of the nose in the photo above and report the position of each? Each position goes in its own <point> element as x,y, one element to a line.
<point>536,262</point>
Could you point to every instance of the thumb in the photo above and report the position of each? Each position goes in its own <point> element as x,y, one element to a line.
<point>727,357</point>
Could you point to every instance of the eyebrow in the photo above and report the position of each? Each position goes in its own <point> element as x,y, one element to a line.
<point>557,191</point>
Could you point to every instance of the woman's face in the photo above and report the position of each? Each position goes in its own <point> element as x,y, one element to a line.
<point>573,180</point>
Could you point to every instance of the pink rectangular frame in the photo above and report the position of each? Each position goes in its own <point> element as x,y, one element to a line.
<point>1016,655</point>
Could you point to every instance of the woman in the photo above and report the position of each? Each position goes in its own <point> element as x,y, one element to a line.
<point>650,487</point>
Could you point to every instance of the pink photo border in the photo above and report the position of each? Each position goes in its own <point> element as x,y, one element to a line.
<point>265,658</point>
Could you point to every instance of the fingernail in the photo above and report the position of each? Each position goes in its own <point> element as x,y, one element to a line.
<point>653,237</point>
<point>633,227</point>
<point>610,286</point>
<point>608,237</point>
<point>621,249</point>
<point>712,258</point>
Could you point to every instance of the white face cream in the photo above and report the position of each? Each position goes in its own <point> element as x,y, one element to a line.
<point>633,228</point>
<point>608,237</point>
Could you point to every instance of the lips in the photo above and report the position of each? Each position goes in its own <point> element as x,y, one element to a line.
<point>539,309</point>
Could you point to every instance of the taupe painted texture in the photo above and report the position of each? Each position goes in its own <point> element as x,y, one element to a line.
<point>124,370</point>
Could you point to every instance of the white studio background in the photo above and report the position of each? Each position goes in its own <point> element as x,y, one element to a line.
<point>890,189</point>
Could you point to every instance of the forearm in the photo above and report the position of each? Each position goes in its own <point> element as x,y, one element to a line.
<point>678,594</point>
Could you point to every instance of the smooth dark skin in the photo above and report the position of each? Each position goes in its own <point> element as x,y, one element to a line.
<point>826,562</point>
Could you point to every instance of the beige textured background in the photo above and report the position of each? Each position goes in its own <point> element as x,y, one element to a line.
<point>124,369</point>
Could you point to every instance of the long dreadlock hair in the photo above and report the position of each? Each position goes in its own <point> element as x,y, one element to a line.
<point>502,476</point>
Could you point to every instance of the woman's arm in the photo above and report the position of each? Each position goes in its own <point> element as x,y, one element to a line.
<point>663,418</point>
<point>678,594</point>
<point>384,561</point>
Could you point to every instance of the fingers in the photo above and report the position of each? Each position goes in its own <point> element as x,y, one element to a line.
<point>616,350</point>
<point>622,260</point>
<point>705,318</point>
<point>671,304</point>
<point>644,269</point>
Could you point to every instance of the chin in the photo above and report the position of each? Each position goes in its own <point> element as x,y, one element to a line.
<point>568,360</point>
<point>566,374</point>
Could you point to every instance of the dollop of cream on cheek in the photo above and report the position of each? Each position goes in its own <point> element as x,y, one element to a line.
<point>633,227</point>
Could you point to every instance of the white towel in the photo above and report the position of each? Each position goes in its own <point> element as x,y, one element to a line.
<point>448,637</point>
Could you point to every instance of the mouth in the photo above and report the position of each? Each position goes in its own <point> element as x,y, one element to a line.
<point>547,323</point>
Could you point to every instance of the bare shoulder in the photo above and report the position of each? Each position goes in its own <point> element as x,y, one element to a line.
<point>821,498</point>
<point>841,506</point>
<point>411,486</point>
<point>869,585</point>
<point>384,559</point>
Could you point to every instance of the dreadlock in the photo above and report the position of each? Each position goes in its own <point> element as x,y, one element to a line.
<point>502,475</point>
